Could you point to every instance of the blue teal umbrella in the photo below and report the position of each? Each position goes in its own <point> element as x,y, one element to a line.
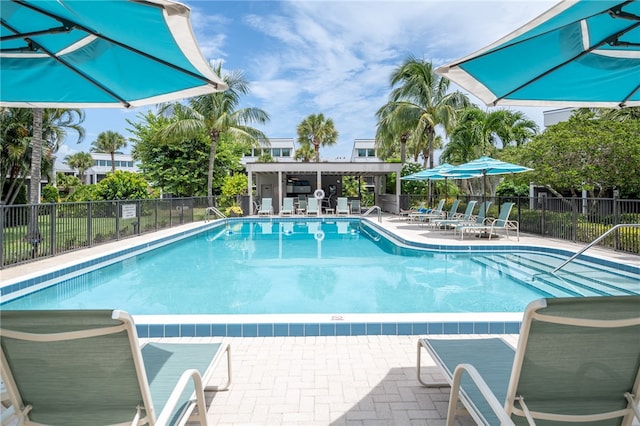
<point>484,166</point>
<point>94,53</point>
<point>577,54</point>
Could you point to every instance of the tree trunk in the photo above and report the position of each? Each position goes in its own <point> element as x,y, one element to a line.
<point>113,162</point>
<point>316,146</point>
<point>213,136</point>
<point>33,233</point>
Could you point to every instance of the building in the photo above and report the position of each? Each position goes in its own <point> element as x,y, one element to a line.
<point>364,150</point>
<point>280,149</point>
<point>101,166</point>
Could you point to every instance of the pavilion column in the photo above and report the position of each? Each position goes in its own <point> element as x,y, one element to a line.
<point>249,191</point>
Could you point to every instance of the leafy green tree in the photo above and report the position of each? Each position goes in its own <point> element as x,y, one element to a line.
<point>180,167</point>
<point>109,142</point>
<point>233,187</point>
<point>419,103</point>
<point>81,161</point>
<point>584,153</point>
<point>215,115</point>
<point>123,185</point>
<point>318,131</point>
<point>305,153</point>
<point>83,193</point>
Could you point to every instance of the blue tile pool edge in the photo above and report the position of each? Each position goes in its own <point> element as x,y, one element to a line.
<point>183,326</point>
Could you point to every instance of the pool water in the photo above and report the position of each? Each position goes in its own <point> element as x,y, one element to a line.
<point>299,267</point>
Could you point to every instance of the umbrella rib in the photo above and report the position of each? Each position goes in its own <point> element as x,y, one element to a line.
<point>81,74</point>
<point>608,40</point>
<point>117,43</point>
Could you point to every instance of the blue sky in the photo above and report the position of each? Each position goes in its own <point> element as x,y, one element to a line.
<point>333,57</point>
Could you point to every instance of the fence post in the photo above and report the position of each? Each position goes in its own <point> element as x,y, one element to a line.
<point>616,219</point>
<point>542,218</point>
<point>3,211</point>
<point>156,214</point>
<point>52,230</point>
<point>117,220</point>
<point>90,224</point>
<point>574,224</point>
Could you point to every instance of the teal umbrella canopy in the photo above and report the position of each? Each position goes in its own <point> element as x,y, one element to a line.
<point>486,166</point>
<point>439,172</point>
<point>580,53</point>
<point>96,53</point>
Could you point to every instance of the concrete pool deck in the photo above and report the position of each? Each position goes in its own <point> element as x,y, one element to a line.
<point>328,380</point>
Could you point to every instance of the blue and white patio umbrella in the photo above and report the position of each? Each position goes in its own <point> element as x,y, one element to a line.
<point>484,166</point>
<point>92,53</point>
<point>580,53</point>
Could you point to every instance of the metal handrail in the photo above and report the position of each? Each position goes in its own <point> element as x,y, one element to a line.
<point>213,210</point>
<point>372,209</point>
<point>596,241</point>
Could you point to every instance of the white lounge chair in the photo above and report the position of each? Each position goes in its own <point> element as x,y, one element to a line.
<point>342,206</point>
<point>457,218</point>
<point>287,207</point>
<point>266,207</point>
<point>313,207</point>
<point>576,361</point>
<point>85,367</point>
<point>355,207</point>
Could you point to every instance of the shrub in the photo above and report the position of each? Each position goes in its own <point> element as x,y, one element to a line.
<point>50,194</point>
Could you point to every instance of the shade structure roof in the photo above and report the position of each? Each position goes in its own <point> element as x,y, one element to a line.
<point>94,53</point>
<point>580,53</point>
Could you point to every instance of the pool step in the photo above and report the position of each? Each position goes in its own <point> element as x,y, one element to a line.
<point>537,275</point>
<point>597,277</point>
<point>524,275</point>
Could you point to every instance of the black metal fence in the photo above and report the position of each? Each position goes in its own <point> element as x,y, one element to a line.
<point>65,227</point>
<point>579,220</point>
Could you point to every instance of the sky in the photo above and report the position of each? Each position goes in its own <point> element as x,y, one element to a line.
<point>306,57</point>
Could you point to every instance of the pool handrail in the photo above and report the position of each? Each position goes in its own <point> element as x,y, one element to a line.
<point>373,208</point>
<point>596,241</point>
<point>215,211</point>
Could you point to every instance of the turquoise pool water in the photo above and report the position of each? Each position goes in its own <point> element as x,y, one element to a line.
<point>307,266</point>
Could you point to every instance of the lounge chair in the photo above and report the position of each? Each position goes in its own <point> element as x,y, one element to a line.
<point>287,207</point>
<point>576,361</point>
<point>302,207</point>
<point>429,214</point>
<point>354,208</point>
<point>491,225</point>
<point>85,367</point>
<point>342,206</point>
<point>479,219</point>
<point>448,215</point>
<point>457,218</point>
<point>421,208</point>
<point>266,207</point>
<point>312,206</point>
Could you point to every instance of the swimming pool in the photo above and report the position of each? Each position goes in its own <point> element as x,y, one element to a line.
<point>335,268</point>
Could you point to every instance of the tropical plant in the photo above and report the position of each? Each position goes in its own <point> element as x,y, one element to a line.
<point>305,153</point>
<point>215,115</point>
<point>419,103</point>
<point>81,161</point>
<point>233,187</point>
<point>122,185</point>
<point>318,131</point>
<point>109,142</point>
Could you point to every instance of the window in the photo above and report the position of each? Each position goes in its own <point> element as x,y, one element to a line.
<point>362,152</point>
<point>286,152</point>
<point>275,152</point>
<point>371,153</point>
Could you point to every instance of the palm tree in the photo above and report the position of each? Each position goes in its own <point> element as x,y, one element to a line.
<point>80,161</point>
<point>419,103</point>
<point>217,114</point>
<point>109,142</point>
<point>318,131</point>
<point>305,153</point>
